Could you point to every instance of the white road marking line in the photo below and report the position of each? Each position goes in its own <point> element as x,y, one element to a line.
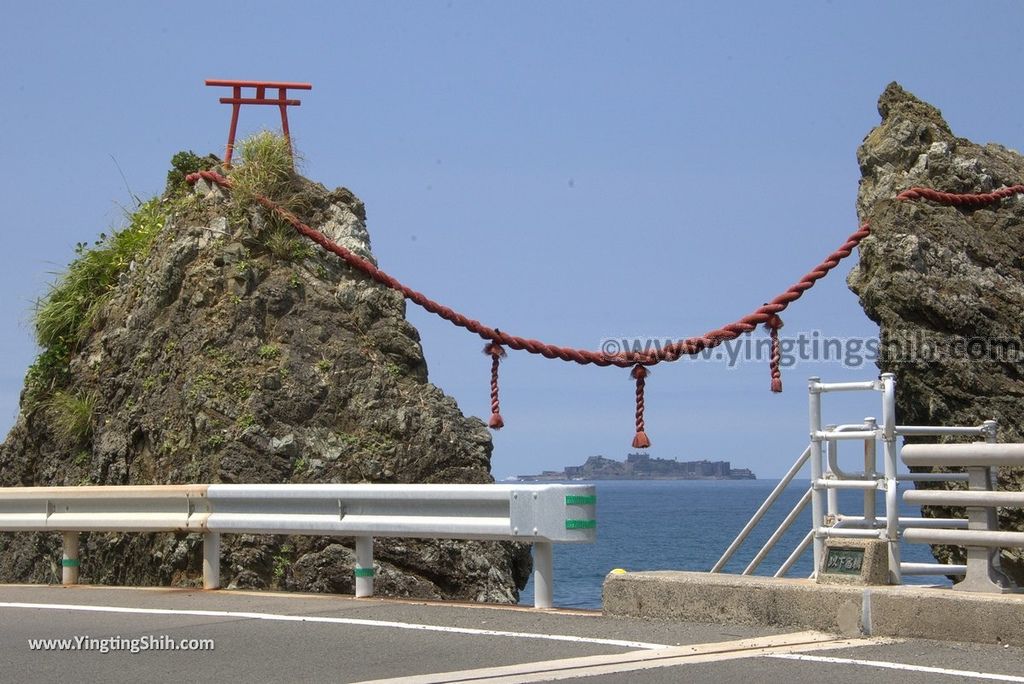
<point>574,668</point>
<point>899,666</point>
<point>339,621</point>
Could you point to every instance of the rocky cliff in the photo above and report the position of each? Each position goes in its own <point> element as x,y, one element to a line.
<point>945,284</point>
<point>229,350</point>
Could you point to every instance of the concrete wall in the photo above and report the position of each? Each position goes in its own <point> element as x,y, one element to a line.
<point>921,612</point>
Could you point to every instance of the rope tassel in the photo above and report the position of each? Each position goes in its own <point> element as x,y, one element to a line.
<point>496,352</point>
<point>774,362</point>
<point>640,440</point>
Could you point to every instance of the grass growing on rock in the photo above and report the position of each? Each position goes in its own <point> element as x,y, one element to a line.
<point>269,351</point>
<point>69,311</point>
<point>283,244</point>
<point>267,169</point>
<point>72,415</point>
<point>65,316</point>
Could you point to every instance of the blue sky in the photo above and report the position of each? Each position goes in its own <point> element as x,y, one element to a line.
<point>567,171</point>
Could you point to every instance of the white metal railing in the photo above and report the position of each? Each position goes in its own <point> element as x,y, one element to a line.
<point>982,537</point>
<point>755,520</point>
<point>538,514</point>
<point>822,494</point>
<point>828,479</point>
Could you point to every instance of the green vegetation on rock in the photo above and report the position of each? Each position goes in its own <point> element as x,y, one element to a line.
<point>70,310</point>
<point>267,169</point>
<point>72,415</point>
<point>269,351</point>
<point>67,313</point>
<point>185,163</point>
<point>283,244</point>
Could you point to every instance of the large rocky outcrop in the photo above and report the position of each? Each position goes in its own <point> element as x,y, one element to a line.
<point>945,284</point>
<point>230,354</point>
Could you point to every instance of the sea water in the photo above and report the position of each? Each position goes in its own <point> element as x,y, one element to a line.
<point>687,525</point>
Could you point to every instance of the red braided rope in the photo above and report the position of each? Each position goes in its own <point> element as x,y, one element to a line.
<point>496,353</point>
<point>775,361</point>
<point>958,199</point>
<point>640,440</point>
<point>669,352</point>
<point>766,314</point>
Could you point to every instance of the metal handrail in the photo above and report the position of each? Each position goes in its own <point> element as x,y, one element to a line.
<point>994,538</point>
<point>852,532</point>
<point>905,521</point>
<point>779,531</point>
<point>940,430</point>
<point>973,454</point>
<point>934,569</point>
<point>797,552</point>
<point>825,485</point>
<point>933,477</point>
<point>832,451</point>
<point>848,434</point>
<point>759,514</point>
<point>857,386</point>
<point>984,499</point>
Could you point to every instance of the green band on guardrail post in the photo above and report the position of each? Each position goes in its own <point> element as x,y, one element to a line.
<point>71,562</point>
<point>576,500</point>
<point>575,524</point>
<point>364,572</point>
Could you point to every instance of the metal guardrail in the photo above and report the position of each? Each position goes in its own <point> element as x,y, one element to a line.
<point>982,538</point>
<point>538,514</point>
<point>973,454</point>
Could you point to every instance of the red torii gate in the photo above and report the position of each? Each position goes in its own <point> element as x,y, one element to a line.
<point>236,101</point>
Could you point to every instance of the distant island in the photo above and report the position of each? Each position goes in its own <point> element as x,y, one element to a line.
<point>643,467</point>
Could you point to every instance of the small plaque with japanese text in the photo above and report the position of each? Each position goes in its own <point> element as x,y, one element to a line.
<point>844,560</point>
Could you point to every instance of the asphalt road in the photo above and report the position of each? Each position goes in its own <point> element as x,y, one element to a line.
<point>290,637</point>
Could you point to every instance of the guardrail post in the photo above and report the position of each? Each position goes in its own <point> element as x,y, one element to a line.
<point>543,575</point>
<point>990,431</point>
<point>870,473</point>
<point>70,563</point>
<point>364,567</point>
<point>983,573</point>
<point>890,453</point>
<point>817,504</point>
<point>211,560</point>
<point>832,496</point>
